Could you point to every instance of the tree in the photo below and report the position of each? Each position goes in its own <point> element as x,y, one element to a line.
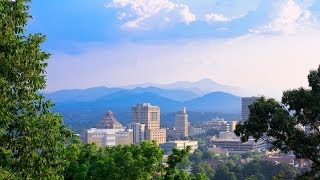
<point>205,168</point>
<point>32,139</point>
<point>222,173</point>
<point>282,124</point>
<point>141,161</point>
<point>176,157</point>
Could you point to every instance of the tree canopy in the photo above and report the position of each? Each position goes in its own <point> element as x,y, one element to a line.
<point>32,139</point>
<point>292,125</point>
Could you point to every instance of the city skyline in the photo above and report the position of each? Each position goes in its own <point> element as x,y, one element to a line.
<point>265,46</point>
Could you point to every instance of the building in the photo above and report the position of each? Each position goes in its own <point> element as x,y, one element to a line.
<point>109,137</point>
<point>233,125</point>
<point>218,150</point>
<point>168,146</point>
<point>227,135</point>
<point>193,131</point>
<point>226,127</point>
<point>146,114</point>
<point>150,116</point>
<point>171,134</point>
<point>246,102</point>
<point>182,124</point>
<point>109,122</point>
<point>235,146</point>
<point>157,134</point>
<point>124,137</point>
<point>138,132</point>
<point>215,123</point>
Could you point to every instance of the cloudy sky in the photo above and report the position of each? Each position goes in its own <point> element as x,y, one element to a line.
<point>263,45</point>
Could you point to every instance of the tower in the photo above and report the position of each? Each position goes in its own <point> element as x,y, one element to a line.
<point>246,102</point>
<point>150,116</point>
<point>182,123</point>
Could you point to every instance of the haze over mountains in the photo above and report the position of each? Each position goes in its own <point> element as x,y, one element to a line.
<point>84,107</point>
<point>200,87</point>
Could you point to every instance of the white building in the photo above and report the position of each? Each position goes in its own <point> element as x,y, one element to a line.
<point>109,137</point>
<point>193,131</point>
<point>235,146</point>
<point>168,146</point>
<point>138,132</point>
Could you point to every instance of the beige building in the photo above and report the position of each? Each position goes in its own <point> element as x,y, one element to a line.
<point>157,134</point>
<point>233,125</point>
<point>109,137</point>
<point>168,146</point>
<point>109,122</point>
<point>150,116</point>
<point>181,124</point>
<point>124,137</point>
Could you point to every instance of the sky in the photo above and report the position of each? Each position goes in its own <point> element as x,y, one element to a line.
<point>266,46</point>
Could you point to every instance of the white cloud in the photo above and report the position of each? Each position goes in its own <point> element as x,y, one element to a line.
<point>212,17</point>
<point>264,64</point>
<point>288,17</point>
<point>146,14</point>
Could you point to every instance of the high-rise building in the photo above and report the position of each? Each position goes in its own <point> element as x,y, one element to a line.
<point>146,114</point>
<point>138,132</point>
<point>150,116</point>
<point>246,102</point>
<point>109,122</point>
<point>182,124</point>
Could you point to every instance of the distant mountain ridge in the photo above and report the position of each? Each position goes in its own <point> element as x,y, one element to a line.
<point>83,108</point>
<point>200,87</point>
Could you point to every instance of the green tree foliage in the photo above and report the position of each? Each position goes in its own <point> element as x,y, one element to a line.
<point>280,124</point>
<point>222,173</point>
<point>267,170</point>
<point>176,157</point>
<point>141,161</point>
<point>32,139</point>
<point>204,168</point>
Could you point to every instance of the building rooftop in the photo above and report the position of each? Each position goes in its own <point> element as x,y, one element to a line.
<point>109,122</point>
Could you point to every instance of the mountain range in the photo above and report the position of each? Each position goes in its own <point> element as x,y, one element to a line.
<point>200,87</point>
<point>82,108</point>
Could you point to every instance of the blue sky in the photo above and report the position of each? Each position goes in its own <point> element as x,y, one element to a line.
<point>263,45</point>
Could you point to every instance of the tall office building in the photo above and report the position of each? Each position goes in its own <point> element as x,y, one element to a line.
<point>150,116</point>
<point>146,114</point>
<point>138,132</point>
<point>182,124</point>
<point>246,102</point>
<point>109,122</point>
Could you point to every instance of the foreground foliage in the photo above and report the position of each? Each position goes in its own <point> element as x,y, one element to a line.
<point>283,124</point>
<point>143,161</point>
<point>32,139</point>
